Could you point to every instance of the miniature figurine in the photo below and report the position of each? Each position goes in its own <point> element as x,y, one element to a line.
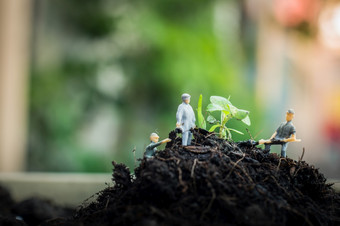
<point>151,149</point>
<point>185,117</point>
<point>284,134</point>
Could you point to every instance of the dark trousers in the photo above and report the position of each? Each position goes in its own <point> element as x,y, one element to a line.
<point>284,146</point>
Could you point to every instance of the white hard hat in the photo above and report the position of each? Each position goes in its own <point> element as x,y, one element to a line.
<point>291,111</point>
<point>185,96</point>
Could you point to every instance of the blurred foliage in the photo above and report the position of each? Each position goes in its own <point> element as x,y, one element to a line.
<point>105,74</point>
<point>201,123</point>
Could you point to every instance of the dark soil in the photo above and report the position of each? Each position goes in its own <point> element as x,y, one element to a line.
<point>32,211</point>
<point>214,182</point>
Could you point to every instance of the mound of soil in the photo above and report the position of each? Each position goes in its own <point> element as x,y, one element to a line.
<point>32,211</point>
<point>214,182</point>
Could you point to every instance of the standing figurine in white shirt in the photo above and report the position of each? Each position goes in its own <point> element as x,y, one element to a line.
<point>185,119</point>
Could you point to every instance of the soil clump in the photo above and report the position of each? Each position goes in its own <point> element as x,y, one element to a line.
<point>31,211</point>
<point>213,182</point>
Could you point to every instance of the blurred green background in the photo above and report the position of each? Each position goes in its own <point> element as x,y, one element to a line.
<point>102,75</point>
<point>105,74</point>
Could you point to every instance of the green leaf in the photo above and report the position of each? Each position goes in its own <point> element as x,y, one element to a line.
<point>236,131</point>
<point>212,129</point>
<point>222,102</point>
<point>226,112</point>
<point>246,120</point>
<point>240,114</point>
<point>214,107</point>
<point>233,109</point>
<point>211,119</point>
<point>201,121</point>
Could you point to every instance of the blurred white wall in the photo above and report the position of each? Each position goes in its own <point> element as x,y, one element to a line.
<point>14,60</point>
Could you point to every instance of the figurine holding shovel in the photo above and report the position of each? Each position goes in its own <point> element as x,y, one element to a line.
<point>283,135</point>
<point>152,147</point>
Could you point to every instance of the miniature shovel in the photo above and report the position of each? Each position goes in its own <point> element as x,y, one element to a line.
<point>275,141</point>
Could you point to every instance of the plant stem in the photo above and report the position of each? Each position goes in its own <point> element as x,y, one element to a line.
<point>222,126</point>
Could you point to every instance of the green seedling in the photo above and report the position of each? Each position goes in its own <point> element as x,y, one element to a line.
<point>201,121</point>
<point>228,111</point>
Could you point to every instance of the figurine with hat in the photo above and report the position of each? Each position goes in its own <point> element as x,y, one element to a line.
<point>284,134</point>
<point>151,149</point>
<point>185,117</point>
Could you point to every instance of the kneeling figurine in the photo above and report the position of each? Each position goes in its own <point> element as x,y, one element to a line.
<point>151,149</point>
